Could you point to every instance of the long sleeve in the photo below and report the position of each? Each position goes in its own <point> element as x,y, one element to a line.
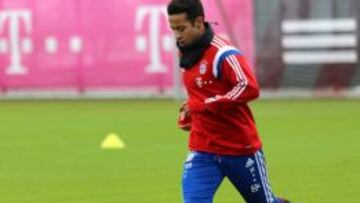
<point>236,72</point>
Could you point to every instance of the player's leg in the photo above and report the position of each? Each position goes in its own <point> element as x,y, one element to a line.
<point>201,178</point>
<point>249,175</point>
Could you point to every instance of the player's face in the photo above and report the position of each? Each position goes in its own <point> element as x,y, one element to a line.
<point>185,31</point>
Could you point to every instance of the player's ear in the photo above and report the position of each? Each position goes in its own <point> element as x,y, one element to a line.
<point>199,22</point>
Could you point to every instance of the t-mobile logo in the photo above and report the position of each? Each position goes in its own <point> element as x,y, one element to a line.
<point>154,42</point>
<point>16,43</point>
<point>15,17</point>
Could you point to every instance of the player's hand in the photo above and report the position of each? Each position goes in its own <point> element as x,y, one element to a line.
<point>184,107</point>
<point>184,121</point>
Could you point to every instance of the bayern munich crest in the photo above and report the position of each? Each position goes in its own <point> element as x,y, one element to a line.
<point>203,67</point>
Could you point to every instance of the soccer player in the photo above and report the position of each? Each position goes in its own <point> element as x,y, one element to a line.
<point>223,141</point>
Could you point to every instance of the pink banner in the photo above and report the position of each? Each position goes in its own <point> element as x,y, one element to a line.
<point>84,44</point>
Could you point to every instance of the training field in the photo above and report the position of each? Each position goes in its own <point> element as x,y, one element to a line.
<point>50,151</point>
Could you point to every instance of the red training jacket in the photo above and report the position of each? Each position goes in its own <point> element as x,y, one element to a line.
<point>219,87</point>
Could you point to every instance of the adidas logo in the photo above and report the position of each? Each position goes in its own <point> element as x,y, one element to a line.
<point>249,163</point>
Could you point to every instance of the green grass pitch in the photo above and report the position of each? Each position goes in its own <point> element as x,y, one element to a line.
<point>50,151</point>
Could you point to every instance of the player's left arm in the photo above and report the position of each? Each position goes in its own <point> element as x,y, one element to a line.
<point>234,70</point>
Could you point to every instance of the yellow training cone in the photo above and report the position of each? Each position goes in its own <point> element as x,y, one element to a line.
<point>112,141</point>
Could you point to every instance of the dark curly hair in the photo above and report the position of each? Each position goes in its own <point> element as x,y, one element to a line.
<point>192,8</point>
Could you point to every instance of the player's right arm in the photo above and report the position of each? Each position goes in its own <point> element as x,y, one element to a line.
<point>184,120</point>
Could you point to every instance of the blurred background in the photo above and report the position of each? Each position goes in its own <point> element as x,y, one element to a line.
<point>75,72</point>
<point>72,48</point>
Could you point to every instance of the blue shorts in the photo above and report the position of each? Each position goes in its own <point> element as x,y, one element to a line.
<point>204,172</point>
